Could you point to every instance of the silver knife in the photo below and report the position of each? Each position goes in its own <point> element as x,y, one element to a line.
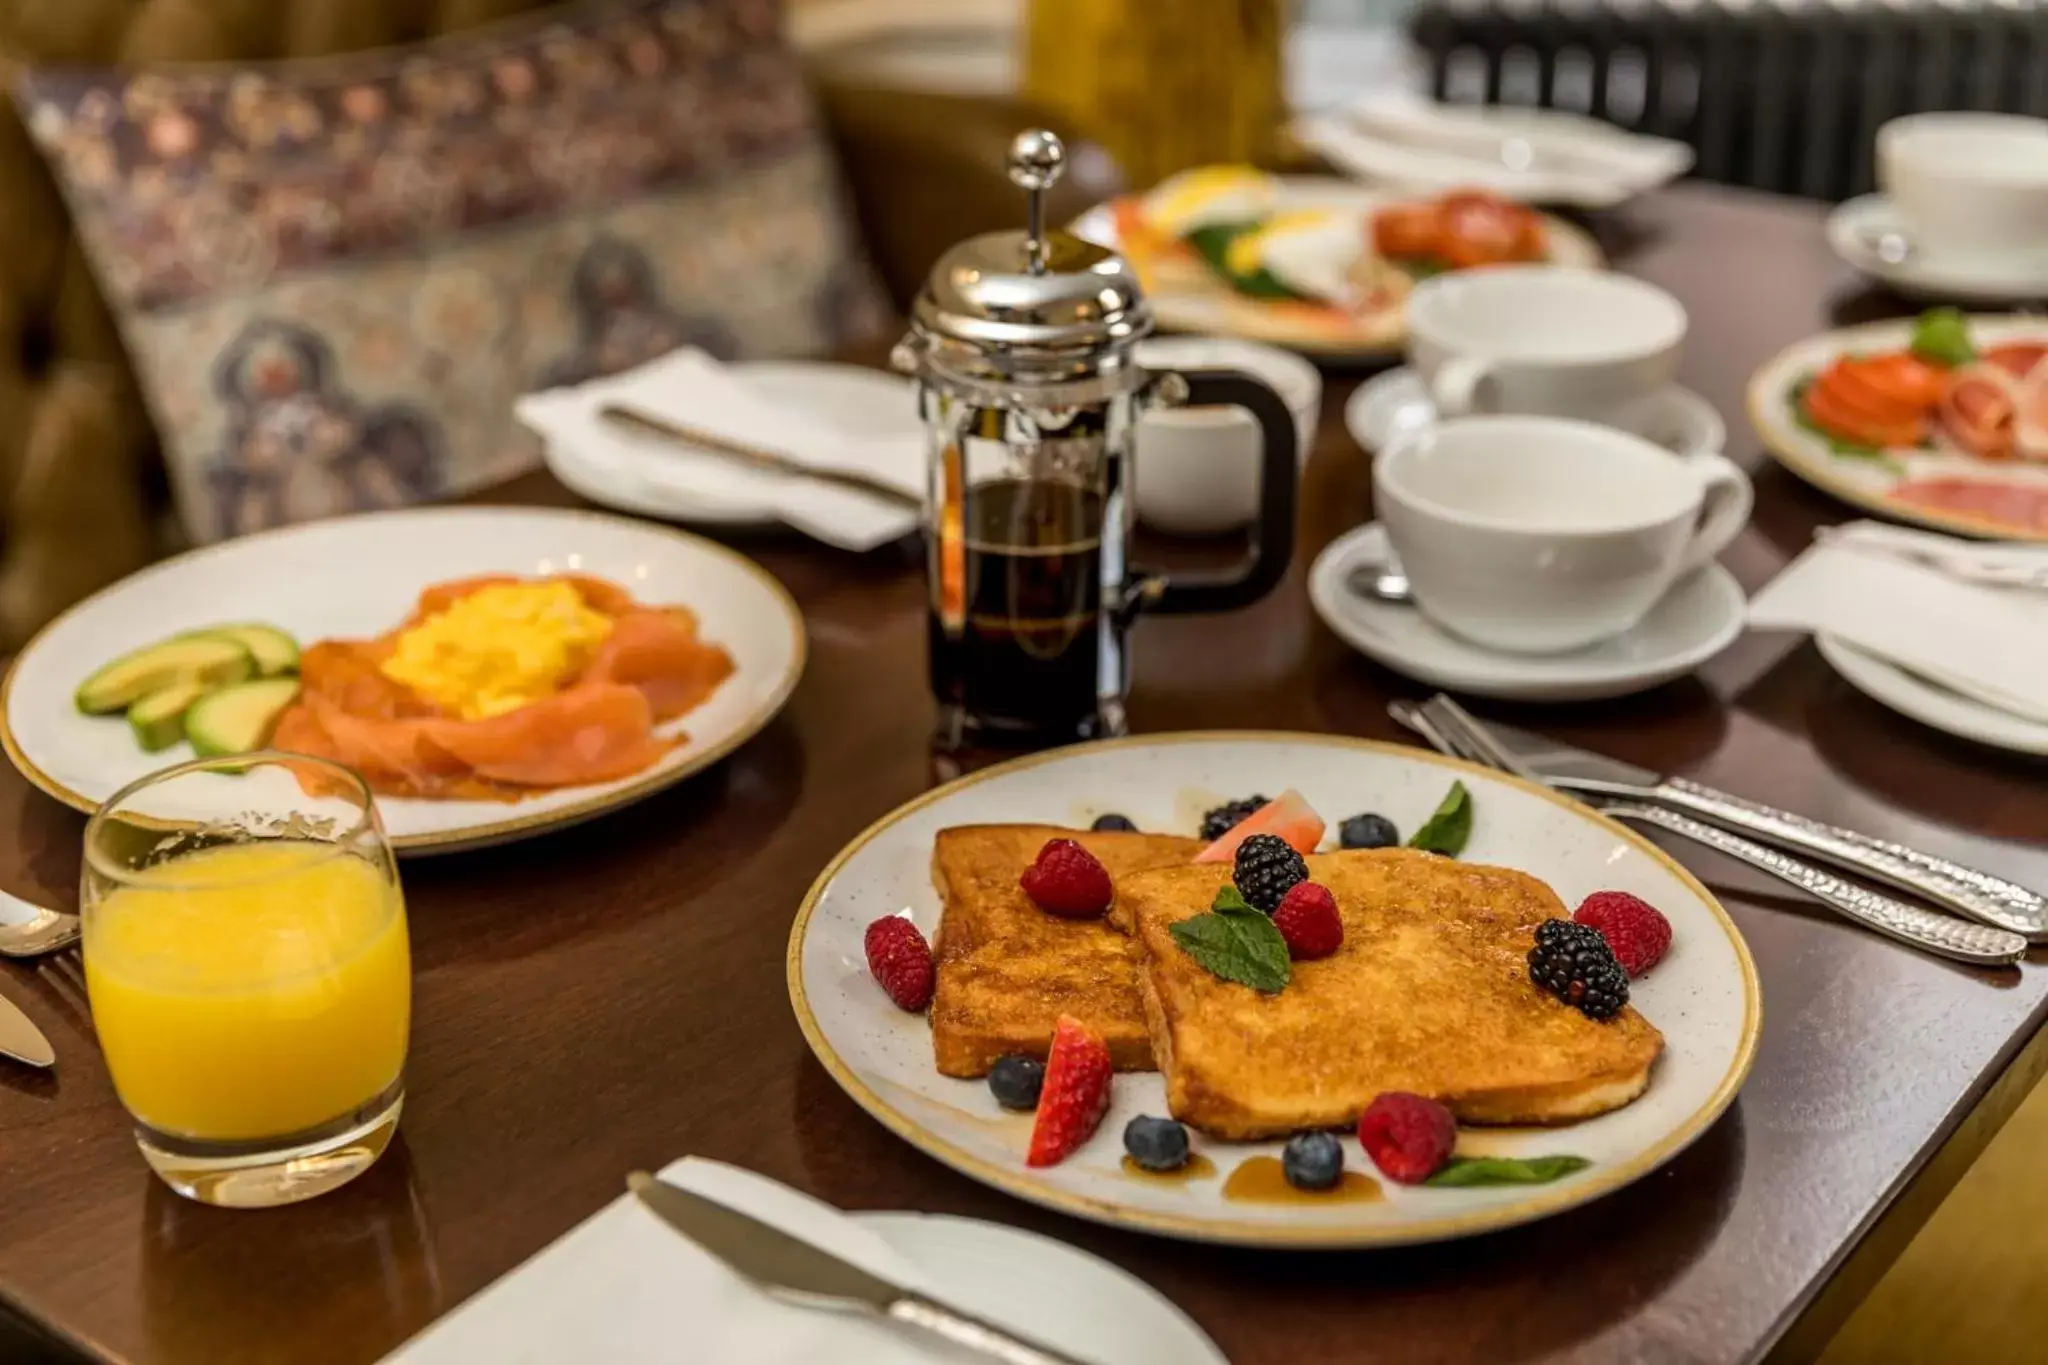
<point>21,1039</point>
<point>1979,895</point>
<point>791,1268</point>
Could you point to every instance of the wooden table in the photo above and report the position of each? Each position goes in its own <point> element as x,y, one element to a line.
<point>613,997</point>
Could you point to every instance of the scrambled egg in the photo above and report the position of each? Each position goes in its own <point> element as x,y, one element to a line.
<point>499,648</point>
<point>1207,196</point>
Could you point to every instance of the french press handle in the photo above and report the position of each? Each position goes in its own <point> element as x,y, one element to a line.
<point>1272,547</point>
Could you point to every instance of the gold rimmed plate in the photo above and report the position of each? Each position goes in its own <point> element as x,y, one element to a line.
<point>1703,996</point>
<point>359,576</point>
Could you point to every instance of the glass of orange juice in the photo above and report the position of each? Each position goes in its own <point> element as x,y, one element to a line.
<point>251,984</point>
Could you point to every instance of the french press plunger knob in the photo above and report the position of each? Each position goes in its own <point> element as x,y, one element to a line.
<point>1037,157</point>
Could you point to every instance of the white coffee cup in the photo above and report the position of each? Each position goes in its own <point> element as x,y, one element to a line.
<point>1538,535</point>
<point>1968,183</point>
<point>1197,468</point>
<point>1543,339</point>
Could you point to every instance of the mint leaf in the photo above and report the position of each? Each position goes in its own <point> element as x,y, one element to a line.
<point>1238,945</point>
<point>1467,1171</point>
<point>1230,898</point>
<point>1450,829</point>
<point>1941,337</point>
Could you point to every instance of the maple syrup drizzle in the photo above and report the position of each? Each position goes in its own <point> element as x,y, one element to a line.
<point>1197,1167</point>
<point>1261,1180</point>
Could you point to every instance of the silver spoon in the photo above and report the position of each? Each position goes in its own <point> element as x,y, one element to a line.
<point>31,930</point>
<point>1384,581</point>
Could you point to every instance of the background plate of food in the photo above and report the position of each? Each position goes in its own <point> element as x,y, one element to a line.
<point>493,672</point>
<point>1940,420</point>
<point>1314,264</point>
<point>1420,983</point>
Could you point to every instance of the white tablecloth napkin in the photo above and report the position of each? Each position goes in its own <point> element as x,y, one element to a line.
<point>1987,643</point>
<point>693,389</point>
<point>624,1288</point>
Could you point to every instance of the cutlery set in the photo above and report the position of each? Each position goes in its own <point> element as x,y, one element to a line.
<point>2003,918</point>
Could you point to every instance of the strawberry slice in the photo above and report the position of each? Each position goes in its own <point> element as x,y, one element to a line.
<point>1075,1095</point>
<point>1287,815</point>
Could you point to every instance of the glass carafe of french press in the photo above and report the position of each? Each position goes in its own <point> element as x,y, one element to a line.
<point>1022,346</point>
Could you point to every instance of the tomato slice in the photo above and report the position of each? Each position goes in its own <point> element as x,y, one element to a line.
<point>1856,391</point>
<point>1903,377</point>
<point>1408,231</point>
<point>1484,229</point>
<point>1831,415</point>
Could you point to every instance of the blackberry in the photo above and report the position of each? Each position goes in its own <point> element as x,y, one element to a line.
<point>1266,870</point>
<point>1574,963</point>
<point>1156,1144</point>
<point>1368,831</point>
<point>1220,821</point>
<point>1118,823</point>
<point>1015,1081</point>
<point>1312,1161</point>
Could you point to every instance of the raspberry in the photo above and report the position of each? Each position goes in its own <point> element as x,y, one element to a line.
<point>1307,919</point>
<point>1075,1095</point>
<point>1067,881</point>
<point>1633,928</point>
<point>1408,1137</point>
<point>901,962</point>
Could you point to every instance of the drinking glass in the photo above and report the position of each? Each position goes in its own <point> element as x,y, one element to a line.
<point>251,983</point>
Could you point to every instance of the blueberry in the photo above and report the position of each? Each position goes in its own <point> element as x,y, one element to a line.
<point>1156,1144</point>
<point>1015,1081</point>
<point>1312,1161</point>
<point>1120,823</point>
<point>1368,831</point>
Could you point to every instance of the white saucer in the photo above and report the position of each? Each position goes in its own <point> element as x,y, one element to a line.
<point>1910,695</point>
<point>1856,228</point>
<point>851,397</point>
<point>1696,620</point>
<point>1391,405</point>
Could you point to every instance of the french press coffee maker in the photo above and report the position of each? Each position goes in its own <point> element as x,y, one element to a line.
<point>1022,344</point>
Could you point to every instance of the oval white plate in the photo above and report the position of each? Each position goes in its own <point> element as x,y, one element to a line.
<point>1704,996</point>
<point>1696,620</point>
<point>1889,685</point>
<point>1180,306</point>
<point>359,576</point>
<point>1105,1313</point>
<point>1867,483</point>
<point>706,488</point>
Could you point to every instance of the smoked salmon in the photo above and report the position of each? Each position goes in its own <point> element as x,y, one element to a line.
<point>597,723</point>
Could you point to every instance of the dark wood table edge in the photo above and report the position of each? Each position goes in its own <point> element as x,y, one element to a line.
<point>1844,1287</point>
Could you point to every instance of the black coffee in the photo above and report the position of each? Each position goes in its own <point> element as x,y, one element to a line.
<point>1020,650</point>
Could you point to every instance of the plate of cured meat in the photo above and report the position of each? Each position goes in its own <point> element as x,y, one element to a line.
<point>491,672</point>
<point>1941,420</point>
<point>1314,264</point>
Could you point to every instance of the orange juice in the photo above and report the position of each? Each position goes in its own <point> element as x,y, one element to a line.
<point>251,990</point>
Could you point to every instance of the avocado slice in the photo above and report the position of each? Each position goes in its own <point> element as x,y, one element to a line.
<point>186,658</point>
<point>274,651</point>
<point>239,718</point>
<point>158,720</point>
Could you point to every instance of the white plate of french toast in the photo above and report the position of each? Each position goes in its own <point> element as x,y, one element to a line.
<point>1274,989</point>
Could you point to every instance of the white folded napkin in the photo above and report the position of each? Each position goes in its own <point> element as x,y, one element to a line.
<point>693,389</point>
<point>624,1288</point>
<point>1986,643</point>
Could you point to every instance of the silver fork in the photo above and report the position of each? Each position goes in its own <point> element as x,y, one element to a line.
<point>1451,729</point>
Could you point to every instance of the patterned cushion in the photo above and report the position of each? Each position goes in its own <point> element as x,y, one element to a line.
<point>335,274</point>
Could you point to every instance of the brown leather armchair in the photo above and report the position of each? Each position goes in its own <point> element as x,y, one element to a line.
<point>81,486</point>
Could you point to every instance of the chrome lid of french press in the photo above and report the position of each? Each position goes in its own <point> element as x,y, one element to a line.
<point>1029,306</point>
